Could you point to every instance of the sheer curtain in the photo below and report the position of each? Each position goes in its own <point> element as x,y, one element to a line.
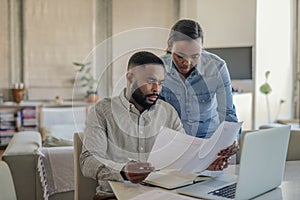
<point>296,74</point>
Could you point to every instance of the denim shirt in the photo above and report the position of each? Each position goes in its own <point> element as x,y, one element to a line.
<point>204,99</point>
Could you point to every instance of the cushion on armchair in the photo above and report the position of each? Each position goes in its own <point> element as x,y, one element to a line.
<point>26,143</point>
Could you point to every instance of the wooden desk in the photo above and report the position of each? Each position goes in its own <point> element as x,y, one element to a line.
<point>289,189</point>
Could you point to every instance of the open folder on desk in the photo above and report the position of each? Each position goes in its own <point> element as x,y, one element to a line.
<point>187,154</point>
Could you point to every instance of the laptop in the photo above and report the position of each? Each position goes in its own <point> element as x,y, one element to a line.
<point>261,168</point>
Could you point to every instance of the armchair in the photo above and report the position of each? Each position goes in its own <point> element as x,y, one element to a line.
<point>7,189</point>
<point>85,188</point>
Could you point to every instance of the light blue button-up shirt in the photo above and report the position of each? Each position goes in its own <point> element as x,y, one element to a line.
<point>204,99</point>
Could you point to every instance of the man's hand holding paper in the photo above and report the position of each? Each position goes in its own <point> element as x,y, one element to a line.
<point>188,154</point>
<point>136,172</point>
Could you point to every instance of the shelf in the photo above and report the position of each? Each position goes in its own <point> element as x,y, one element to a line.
<point>14,118</point>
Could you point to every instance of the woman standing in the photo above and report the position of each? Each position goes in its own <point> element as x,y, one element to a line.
<point>197,82</point>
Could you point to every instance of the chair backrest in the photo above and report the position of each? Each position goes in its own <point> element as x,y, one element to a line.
<point>7,189</point>
<point>85,188</point>
<point>293,152</point>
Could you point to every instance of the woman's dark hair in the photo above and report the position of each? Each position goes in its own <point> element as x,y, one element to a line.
<point>143,58</point>
<point>184,29</point>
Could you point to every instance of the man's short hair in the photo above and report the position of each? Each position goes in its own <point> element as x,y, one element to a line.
<point>143,58</point>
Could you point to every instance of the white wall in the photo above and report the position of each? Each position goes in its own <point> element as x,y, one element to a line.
<point>4,48</point>
<point>267,26</point>
<point>230,23</point>
<point>274,53</point>
<point>138,25</point>
<point>225,23</point>
<point>57,33</point>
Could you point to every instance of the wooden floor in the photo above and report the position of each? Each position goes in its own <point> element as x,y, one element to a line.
<point>2,149</point>
<point>1,152</point>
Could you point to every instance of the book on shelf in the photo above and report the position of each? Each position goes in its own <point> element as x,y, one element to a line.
<point>7,117</point>
<point>5,136</point>
<point>29,121</point>
<point>29,128</point>
<point>29,112</point>
<point>24,118</point>
<point>7,125</point>
<point>7,132</point>
<point>169,179</point>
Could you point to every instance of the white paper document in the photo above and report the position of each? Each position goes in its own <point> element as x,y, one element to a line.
<point>160,194</point>
<point>189,154</point>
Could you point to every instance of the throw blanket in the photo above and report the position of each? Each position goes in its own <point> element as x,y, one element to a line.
<point>56,170</point>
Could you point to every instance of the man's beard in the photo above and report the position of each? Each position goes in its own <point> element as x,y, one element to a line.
<point>140,98</point>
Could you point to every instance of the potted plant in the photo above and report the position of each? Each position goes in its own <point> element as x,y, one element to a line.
<point>266,89</point>
<point>87,81</point>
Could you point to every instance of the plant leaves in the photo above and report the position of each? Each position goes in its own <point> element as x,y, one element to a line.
<point>87,78</point>
<point>84,78</point>
<point>77,64</point>
<point>88,70</point>
<point>282,101</point>
<point>265,88</point>
<point>267,74</point>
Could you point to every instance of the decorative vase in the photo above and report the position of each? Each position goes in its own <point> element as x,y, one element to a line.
<point>92,97</point>
<point>18,94</point>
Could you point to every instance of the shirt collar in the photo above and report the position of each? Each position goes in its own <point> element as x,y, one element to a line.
<point>130,106</point>
<point>125,102</point>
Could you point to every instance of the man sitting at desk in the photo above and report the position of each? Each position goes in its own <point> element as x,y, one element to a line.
<point>120,131</point>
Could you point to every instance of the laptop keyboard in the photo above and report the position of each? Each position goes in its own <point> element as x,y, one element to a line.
<point>227,191</point>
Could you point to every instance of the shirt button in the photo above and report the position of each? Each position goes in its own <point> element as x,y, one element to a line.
<point>142,148</point>
<point>142,132</point>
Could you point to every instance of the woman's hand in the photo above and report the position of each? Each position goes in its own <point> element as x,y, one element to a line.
<point>224,157</point>
<point>230,151</point>
<point>219,164</point>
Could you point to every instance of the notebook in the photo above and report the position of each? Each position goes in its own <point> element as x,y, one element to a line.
<point>169,179</point>
<point>261,168</point>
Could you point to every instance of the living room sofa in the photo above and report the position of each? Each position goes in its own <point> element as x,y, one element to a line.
<point>22,156</point>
